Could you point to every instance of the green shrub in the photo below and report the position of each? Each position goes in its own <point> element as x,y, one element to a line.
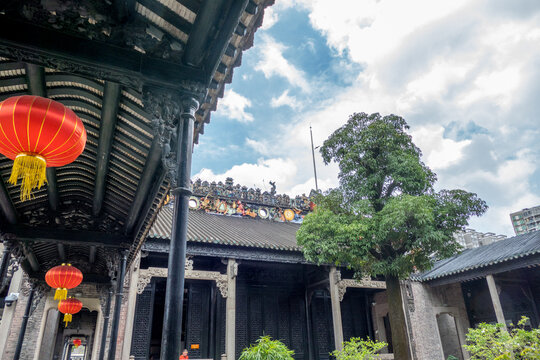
<point>494,342</point>
<point>358,349</point>
<point>267,349</point>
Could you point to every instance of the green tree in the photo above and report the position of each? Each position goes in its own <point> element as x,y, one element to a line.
<point>385,218</point>
<point>267,349</point>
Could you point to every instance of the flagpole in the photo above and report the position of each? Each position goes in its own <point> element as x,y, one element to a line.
<point>313,154</point>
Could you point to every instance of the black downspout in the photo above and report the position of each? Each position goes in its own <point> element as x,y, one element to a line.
<point>105,325</point>
<point>117,307</point>
<point>22,331</point>
<point>174,295</point>
<point>308,326</point>
<point>4,263</point>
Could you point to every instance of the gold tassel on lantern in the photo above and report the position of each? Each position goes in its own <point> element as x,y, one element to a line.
<point>32,170</point>
<point>67,319</point>
<point>60,294</point>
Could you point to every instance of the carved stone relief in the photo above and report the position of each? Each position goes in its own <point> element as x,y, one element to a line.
<point>146,275</point>
<point>365,283</point>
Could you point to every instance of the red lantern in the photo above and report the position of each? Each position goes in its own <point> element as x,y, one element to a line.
<point>77,343</point>
<point>68,307</point>
<point>62,278</point>
<point>37,133</point>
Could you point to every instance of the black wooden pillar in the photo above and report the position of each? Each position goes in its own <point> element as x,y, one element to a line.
<point>117,306</point>
<point>172,321</point>
<point>105,325</point>
<point>26,315</point>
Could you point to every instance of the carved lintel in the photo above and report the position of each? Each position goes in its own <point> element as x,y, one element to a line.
<point>146,275</point>
<point>365,283</point>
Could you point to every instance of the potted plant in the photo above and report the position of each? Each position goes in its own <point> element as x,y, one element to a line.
<point>267,349</point>
<point>358,349</point>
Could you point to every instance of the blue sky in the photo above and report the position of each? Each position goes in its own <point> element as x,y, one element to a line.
<point>464,74</point>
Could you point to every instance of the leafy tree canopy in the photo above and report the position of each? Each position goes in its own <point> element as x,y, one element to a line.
<point>385,218</point>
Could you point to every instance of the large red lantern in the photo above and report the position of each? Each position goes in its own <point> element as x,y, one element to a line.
<point>37,133</point>
<point>68,307</point>
<point>77,343</point>
<point>62,278</point>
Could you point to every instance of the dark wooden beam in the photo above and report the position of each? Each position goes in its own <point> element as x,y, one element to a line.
<point>6,205</point>
<point>124,10</point>
<point>32,259</point>
<point>92,254</point>
<point>205,22</point>
<point>61,251</point>
<point>168,15</point>
<point>152,163</point>
<point>79,237</point>
<point>31,43</point>
<point>109,112</point>
<point>35,77</point>
<point>221,42</point>
<point>153,192</point>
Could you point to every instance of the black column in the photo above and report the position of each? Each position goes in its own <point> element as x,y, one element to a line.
<point>117,306</point>
<point>172,321</point>
<point>105,325</point>
<point>22,331</point>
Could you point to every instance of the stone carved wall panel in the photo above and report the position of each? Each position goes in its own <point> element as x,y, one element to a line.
<point>365,283</point>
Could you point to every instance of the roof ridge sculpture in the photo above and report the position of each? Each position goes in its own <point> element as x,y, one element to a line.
<point>237,200</point>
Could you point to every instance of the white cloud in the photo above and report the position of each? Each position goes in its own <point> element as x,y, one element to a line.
<point>438,151</point>
<point>270,18</point>
<point>233,106</point>
<point>257,175</point>
<point>258,146</point>
<point>273,63</point>
<point>372,29</point>
<point>285,100</point>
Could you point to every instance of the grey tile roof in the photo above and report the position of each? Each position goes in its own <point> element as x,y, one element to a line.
<point>488,255</point>
<point>230,230</point>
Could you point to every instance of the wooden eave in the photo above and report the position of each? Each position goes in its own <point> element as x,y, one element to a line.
<point>74,69</point>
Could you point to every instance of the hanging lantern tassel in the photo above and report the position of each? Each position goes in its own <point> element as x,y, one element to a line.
<point>31,169</point>
<point>67,319</point>
<point>60,294</point>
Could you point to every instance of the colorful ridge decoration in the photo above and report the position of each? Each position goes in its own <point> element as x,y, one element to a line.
<point>37,133</point>
<point>236,200</point>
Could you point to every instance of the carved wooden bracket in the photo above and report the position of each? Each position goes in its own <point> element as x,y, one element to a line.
<point>146,275</point>
<point>365,283</point>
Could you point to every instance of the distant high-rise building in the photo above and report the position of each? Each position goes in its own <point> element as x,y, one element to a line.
<point>526,220</point>
<point>470,238</point>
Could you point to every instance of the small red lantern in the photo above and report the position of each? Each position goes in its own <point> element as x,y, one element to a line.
<point>77,343</point>
<point>68,307</point>
<point>37,133</point>
<point>62,278</point>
